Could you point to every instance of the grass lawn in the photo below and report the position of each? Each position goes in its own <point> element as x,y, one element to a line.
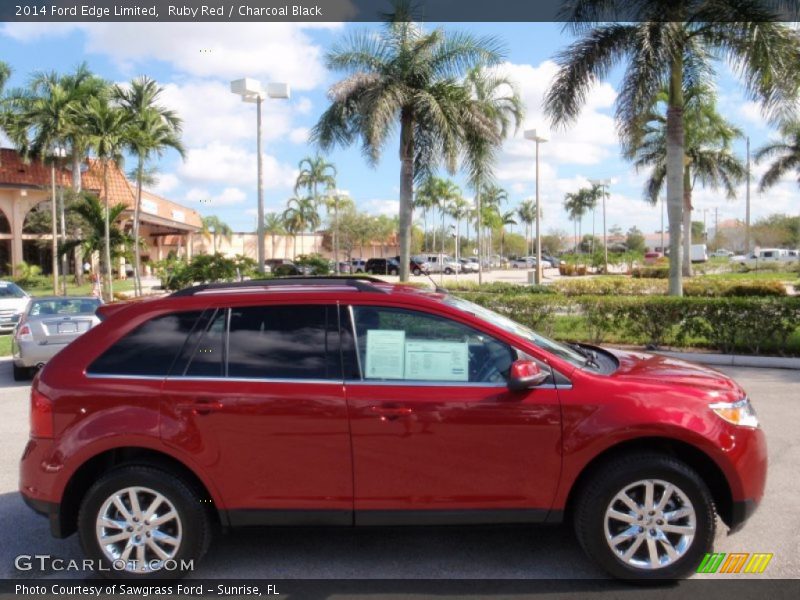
<point>82,290</point>
<point>5,344</point>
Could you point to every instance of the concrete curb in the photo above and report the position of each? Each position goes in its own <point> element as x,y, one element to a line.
<point>735,360</point>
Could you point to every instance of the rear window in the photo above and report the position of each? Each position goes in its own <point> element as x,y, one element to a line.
<point>64,306</point>
<point>150,349</point>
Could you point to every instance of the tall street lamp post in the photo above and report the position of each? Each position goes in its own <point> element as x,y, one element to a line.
<point>532,135</point>
<point>604,183</point>
<point>251,91</point>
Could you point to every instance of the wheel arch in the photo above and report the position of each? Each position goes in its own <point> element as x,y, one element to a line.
<point>702,463</point>
<point>99,464</point>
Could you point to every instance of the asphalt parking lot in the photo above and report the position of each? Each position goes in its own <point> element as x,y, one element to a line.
<point>411,553</point>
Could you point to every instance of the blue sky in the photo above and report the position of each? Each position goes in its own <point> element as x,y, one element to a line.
<point>196,61</point>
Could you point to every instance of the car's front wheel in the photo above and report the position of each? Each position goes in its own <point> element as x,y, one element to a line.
<point>141,522</point>
<point>417,272</point>
<point>646,516</point>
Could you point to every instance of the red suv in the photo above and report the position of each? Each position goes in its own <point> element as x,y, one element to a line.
<point>356,402</point>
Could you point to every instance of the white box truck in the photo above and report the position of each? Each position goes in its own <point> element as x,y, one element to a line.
<point>699,253</point>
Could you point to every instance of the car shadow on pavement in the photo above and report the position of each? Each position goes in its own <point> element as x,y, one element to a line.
<point>7,374</point>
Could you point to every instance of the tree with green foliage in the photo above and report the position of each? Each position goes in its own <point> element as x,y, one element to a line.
<point>674,45</point>
<point>153,129</point>
<point>274,226</point>
<point>405,75</point>
<point>300,214</point>
<point>96,229</point>
<point>214,227</point>
<point>784,154</point>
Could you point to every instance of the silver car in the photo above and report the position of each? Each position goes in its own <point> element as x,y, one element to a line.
<point>47,326</point>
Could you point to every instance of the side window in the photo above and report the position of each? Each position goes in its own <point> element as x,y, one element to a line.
<point>208,354</point>
<point>398,344</point>
<point>284,342</point>
<point>150,349</point>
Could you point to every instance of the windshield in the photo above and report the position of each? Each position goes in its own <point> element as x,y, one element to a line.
<point>562,351</point>
<point>10,290</point>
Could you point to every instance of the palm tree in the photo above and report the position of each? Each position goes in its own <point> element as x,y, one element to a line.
<point>458,208</point>
<point>506,218</point>
<point>314,172</point>
<point>153,129</point>
<point>575,205</point>
<point>108,129</point>
<point>273,225</point>
<point>213,226</point>
<point>498,102</point>
<point>300,214</point>
<point>707,145</point>
<point>407,75</point>
<point>526,212</point>
<point>492,197</point>
<point>785,155</point>
<point>93,229</point>
<point>673,44</point>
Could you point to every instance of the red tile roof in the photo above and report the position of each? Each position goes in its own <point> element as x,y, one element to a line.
<point>16,172</point>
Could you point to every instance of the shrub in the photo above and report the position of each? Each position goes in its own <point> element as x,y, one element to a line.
<point>716,287</point>
<point>651,272</point>
<point>315,262</point>
<point>610,286</point>
<point>536,311</point>
<point>30,276</point>
<point>500,287</point>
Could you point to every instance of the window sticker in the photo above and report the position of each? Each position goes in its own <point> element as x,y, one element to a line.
<point>437,361</point>
<point>385,354</point>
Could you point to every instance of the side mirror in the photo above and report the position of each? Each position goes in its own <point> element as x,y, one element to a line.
<point>525,374</point>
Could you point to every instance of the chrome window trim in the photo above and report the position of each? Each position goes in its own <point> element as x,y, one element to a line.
<point>119,376</point>
<point>355,340</point>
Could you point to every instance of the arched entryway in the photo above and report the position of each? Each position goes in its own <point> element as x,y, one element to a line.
<point>5,246</point>
<point>37,237</point>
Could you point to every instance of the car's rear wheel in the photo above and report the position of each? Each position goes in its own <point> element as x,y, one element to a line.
<point>22,373</point>
<point>417,272</point>
<point>448,271</point>
<point>392,271</point>
<point>646,516</point>
<point>141,522</point>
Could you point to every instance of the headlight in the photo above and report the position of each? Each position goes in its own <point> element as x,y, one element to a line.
<point>739,413</point>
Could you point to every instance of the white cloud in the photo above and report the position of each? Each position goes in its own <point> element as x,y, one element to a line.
<point>267,51</point>
<point>590,140</point>
<point>299,135</point>
<point>390,208</point>
<point>166,183</point>
<point>222,163</point>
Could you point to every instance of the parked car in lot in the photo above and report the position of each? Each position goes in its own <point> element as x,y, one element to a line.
<point>721,253</point>
<point>358,265</point>
<point>281,267</point>
<point>651,258</point>
<point>468,266</point>
<point>46,327</point>
<point>13,301</point>
<point>524,262</point>
<point>382,266</point>
<point>179,413</point>
<point>442,263</point>
<point>769,255</point>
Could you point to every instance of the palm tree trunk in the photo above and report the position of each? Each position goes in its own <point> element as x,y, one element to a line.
<point>406,189</point>
<point>137,258</point>
<point>675,157</point>
<point>107,233</point>
<point>478,226</point>
<point>687,222</point>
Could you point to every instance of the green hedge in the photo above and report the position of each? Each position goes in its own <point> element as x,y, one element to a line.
<point>726,324</point>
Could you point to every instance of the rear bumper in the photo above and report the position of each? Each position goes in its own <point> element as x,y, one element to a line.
<point>51,510</point>
<point>30,354</point>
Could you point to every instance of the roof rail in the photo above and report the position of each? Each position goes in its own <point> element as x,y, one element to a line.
<point>362,284</point>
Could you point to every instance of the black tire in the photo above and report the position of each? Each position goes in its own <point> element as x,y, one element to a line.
<point>193,515</point>
<point>21,373</point>
<point>417,272</point>
<point>614,476</point>
<point>392,271</point>
<point>448,271</point>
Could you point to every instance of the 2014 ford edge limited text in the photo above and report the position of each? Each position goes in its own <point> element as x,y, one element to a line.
<point>356,402</point>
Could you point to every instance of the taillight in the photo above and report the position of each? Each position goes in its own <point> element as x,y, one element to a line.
<point>24,333</point>
<point>41,414</point>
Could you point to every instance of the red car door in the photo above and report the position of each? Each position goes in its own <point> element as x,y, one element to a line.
<point>259,405</point>
<point>436,429</point>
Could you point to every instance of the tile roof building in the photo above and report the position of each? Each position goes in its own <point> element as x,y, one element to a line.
<point>165,225</point>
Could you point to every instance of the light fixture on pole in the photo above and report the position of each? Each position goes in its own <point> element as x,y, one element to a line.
<point>603,183</point>
<point>251,91</point>
<point>531,134</point>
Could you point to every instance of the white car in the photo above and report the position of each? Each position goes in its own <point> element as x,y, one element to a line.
<point>524,262</point>
<point>438,263</point>
<point>13,302</point>
<point>721,253</point>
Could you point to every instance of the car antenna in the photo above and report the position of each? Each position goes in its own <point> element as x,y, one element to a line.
<point>437,288</point>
